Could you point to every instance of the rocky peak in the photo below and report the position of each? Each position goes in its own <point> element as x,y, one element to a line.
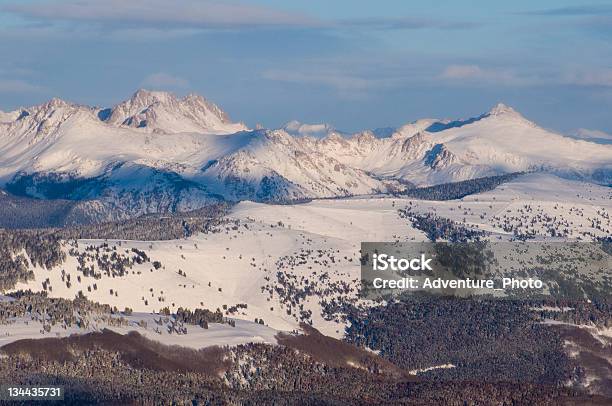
<point>502,109</point>
<point>165,112</point>
<point>365,137</point>
<point>505,112</point>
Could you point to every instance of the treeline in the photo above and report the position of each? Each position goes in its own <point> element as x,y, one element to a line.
<point>437,228</point>
<point>20,251</point>
<point>51,311</point>
<point>153,227</point>
<point>457,190</point>
<point>24,212</point>
<point>81,312</point>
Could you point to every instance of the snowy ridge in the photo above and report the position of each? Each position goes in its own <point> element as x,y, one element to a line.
<point>7,117</point>
<point>158,152</point>
<point>164,112</point>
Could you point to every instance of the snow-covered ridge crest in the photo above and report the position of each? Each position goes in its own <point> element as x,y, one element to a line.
<point>38,122</point>
<point>501,109</point>
<point>165,112</point>
<point>147,111</point>
<point>505,112</point>
<point>188,151</point>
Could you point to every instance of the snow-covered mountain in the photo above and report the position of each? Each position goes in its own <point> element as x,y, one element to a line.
<point>157,152</point>
<point>163,112</point>
<point>429,152</point>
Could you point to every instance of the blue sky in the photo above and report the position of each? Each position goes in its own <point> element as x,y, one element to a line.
<point>355,64</point>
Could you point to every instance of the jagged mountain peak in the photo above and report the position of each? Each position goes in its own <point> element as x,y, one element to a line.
<point>334,137</point>
<point>56,103</point>
<point>141,101</point>
<point>37,122</point>
<point>503,109</point>
<point>55,107</point>
<point>365,136</point>
<point>159,111</point>
<point>144,97</point>
<point>506,113</point>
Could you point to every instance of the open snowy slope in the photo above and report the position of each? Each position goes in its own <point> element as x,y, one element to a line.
<point>290,263</point>
<point>253,261</point>
<point>540,204</point>
<point>545,187</point>
<point>152,326</point>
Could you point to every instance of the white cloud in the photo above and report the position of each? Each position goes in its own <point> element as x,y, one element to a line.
<point>348,73</point>
<point>591,77</point>
<point>350,86</point>
<point>163,80</point>
<point>407,23</point>
<point>146,33</point>
<point>209,14</point>
<point>156,13</point>
<point>18,86</point>
<point>330,79</point>
<point>586,133</point>
<point>462,71</point>
<point>474,73</point>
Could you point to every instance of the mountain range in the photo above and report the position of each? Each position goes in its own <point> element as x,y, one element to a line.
<point>156,152</point>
